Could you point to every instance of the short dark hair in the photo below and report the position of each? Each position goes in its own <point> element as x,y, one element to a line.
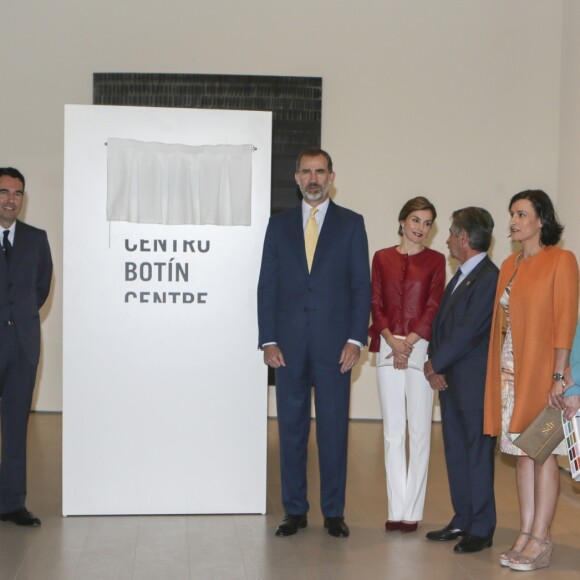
<point>552,229</point>
<point>313,152</point>
<point>418,203</point>
<point>477,223</point>
<point>14,173</point>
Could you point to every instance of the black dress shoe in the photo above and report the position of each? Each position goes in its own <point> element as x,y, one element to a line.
<point>290,524</point>
<point>21,517</point>
<point>336,527</point>
<point>469,544</point>
<point>446,534</point>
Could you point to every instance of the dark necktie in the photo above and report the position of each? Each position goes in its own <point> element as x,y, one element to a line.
<point>454,280</point>
<point>6,245</point>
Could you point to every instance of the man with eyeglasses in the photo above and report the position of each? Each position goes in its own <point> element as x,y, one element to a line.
<point>25,276</point>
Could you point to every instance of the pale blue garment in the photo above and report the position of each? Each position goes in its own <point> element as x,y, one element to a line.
<point>575,365</point>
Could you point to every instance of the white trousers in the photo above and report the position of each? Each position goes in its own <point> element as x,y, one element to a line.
<point>405,397</point>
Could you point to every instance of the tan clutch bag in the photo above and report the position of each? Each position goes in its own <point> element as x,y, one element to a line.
<point>542,436</point>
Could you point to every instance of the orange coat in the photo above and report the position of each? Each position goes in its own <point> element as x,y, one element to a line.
<point>543,315</point>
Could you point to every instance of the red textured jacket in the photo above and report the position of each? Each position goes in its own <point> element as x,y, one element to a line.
<point>406,291</point>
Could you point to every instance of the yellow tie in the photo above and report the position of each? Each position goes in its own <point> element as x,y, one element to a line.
<point>311,237</point>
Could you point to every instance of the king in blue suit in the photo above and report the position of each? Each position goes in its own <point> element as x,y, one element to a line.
<point>313,314</point>
<point>457,368</point>
<point>25,276</point>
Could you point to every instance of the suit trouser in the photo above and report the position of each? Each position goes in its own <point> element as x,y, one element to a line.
<point>293,400</point>
<point>406,397</point>
<point>17,378</point>
<point>469,455</point>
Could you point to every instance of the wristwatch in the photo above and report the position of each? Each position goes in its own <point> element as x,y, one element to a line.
<point>559,377</point>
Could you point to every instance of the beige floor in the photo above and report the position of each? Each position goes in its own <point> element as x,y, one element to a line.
<point>240,547</point>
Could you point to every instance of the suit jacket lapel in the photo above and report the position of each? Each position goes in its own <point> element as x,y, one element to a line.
<point>19,247</point>
<point>447,295</point>
<point>449,299</point>
<point>3,267</point>
<point>327,233</point>
<point>296,237</point>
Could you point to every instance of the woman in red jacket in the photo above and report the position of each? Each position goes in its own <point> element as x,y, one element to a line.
<point>407,286</point>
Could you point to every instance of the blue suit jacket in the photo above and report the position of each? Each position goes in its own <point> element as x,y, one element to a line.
<point>24,286</point>
<point>325,307</point>
<point>460,340</point>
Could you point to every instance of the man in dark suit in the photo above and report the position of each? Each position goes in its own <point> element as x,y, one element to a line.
<point>313,313</point>
<point>25,275</point>
<point>456,368</point>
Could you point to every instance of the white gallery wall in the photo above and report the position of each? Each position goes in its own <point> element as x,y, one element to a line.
<point>569,151</point>
<point>460,101</point>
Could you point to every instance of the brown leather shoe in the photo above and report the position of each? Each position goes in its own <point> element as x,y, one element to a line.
<point>392,525</point>
<point>407,527</point>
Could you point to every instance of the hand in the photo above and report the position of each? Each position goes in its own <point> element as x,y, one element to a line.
<point>568,377</point>
<point>438,382</point>
<point>273,356</point>
<point>400,347</point>
<point>348,357</point>
<point>428,369</point>
<point>571,406</point>
<point>555,398</point>
<point>401,362</point>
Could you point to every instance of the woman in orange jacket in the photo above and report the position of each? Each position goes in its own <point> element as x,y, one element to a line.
<point>534,319</point>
